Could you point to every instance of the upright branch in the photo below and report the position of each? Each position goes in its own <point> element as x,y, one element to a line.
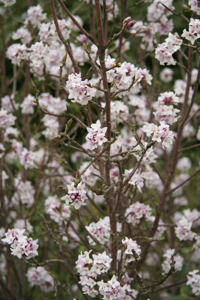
<point>66,43</point>
<point>113,222</point>
<point>91,38</point>
<point>162,200</point>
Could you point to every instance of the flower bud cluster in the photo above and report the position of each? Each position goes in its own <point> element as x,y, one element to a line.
<point>20,244</point>
<point>128,23</point>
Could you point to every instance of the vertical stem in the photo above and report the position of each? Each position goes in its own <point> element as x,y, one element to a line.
<point>123,6</point>
<point>92,27</point>
<point>105,21</point>
<point>173,163</point>
<point>3,67</point>
<point>113,221</point>
<point>66,44</point>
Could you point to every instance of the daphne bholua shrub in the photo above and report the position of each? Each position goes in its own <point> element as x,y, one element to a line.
<point>99,139</point>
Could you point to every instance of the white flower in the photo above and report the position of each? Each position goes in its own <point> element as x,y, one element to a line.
<point>96,135</point>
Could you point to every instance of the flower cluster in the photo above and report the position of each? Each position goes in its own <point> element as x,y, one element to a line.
<point>194,281</point>
<point>176,262</point>
<point>96,135</point>
<point>135,180</point>
<point>24,193</point>
<point>20,244</point>
<point>170,46</point>
<point>89,269</point>
<point>132,249</point>
<point>79,90</point>
<point>135,212</point>
<point>125,77</point>
<point>194,31</point>
<point>195,6</point>
<point>112,290</point>
<point>183,231</point>
<point>57,212</point>
<point>160,134</point>
<point>6,120</point>
<point>101,231</point>
<point>76,195</point>
<point>39,276</point>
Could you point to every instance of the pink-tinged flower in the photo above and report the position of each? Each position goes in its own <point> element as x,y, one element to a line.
<point>194,31</point>
<point>40,277</point>
<point>101,231</point>
<point>35,16</point>
<point>135,180</point>
<point>63,27</point>
<point>23,34</point>
<point>166,75</point>
<point>183,231</point>
<point>8,2</point>
<point>27,159</point>
<point>79,90</point>
<point>16,53</point>
<point>131,246</point>
<point>38,51</point>
<point>58,212</point>
<point>194,282</point>
<point>96,135</point>
<point>195,6</point>
<point>6,120</point>
<point>76,195</point>
<point>160,134</point>
<point>168,98</point>
<point>129,23</point>
<point>135,212</point>
<point>178,261</point>
<point>28,104</point>
<point>20,244</point>
<point>165,50</point>
<point>113,290</point>
<point>8,103</point>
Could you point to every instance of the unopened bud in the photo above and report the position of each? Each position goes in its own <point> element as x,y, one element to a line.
<point>84,47</point>
<point>127,20</point>
<point>69,123</point>
<point>33,85</point>
<point>185,7</point>
<point>57,137</point>
<point>64,58</point>
<point>78,173</point>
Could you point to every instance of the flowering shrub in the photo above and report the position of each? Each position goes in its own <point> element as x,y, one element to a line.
<point>99,139</point>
